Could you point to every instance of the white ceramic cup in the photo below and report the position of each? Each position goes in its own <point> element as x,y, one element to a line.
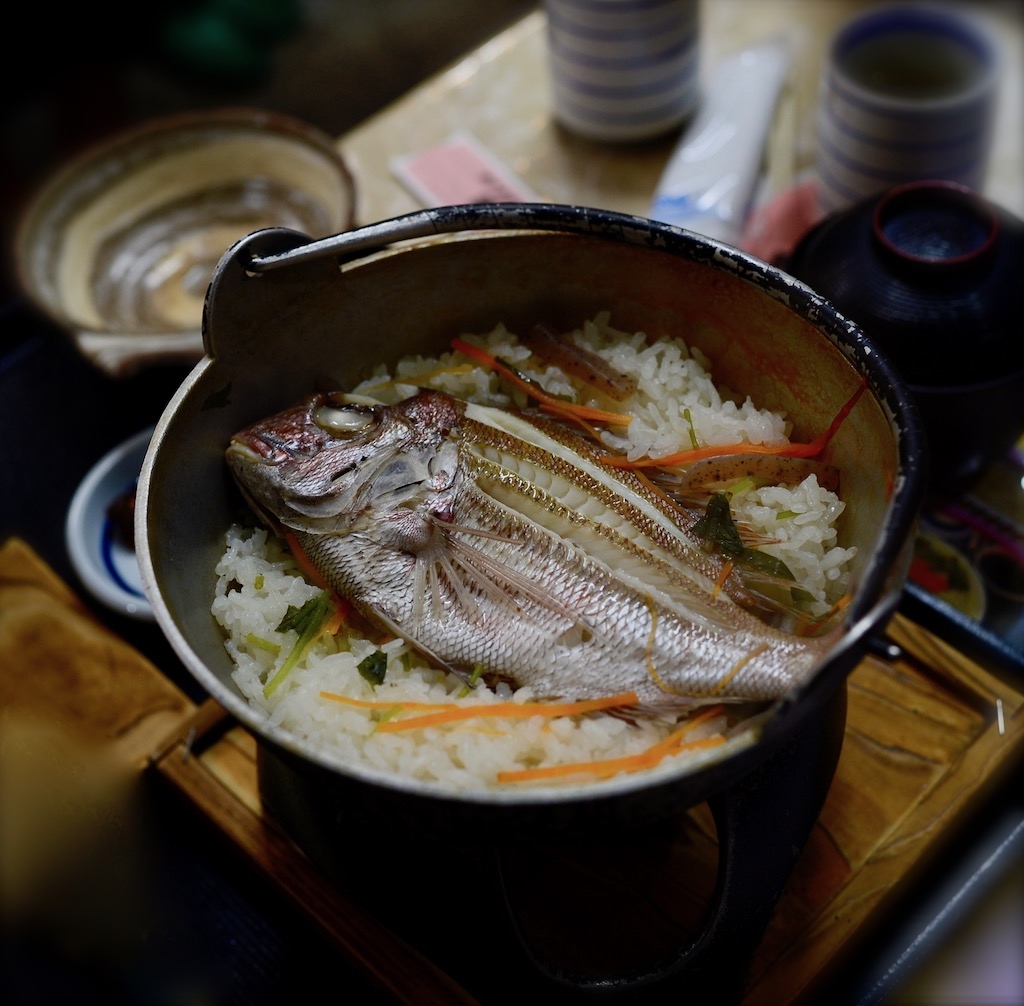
<point>908,93</point>
<point>623,70</point>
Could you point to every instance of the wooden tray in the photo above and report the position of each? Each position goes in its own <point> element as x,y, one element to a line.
<point>928,737</point>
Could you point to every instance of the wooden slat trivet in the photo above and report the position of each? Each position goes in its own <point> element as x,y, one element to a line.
<point>113,712</point>
<point>922,747</point>
<point>928,737</point>
<point>222,785</point>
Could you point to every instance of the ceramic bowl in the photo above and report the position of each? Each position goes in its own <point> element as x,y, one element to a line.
<point>118,247</point>
<point>908,93</point>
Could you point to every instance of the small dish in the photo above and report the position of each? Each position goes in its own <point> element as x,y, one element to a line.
<point>119,245</point>
<point>103,560</point>
<point>947,573</point>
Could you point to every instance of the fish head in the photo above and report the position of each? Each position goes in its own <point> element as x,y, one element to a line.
<point>333,461</point>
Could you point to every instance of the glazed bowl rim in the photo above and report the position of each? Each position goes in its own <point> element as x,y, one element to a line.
<point>241,118</point>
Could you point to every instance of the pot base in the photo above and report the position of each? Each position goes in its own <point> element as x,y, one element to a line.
<point>605,890</point>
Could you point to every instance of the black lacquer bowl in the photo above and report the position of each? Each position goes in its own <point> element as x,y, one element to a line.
<point>932,272</point>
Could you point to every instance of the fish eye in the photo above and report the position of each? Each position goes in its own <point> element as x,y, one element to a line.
<point>345,420</point>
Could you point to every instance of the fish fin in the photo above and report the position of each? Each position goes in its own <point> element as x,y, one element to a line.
<point>496,578</point>
<point>674,708</point>
<point>419,589</point>
<point>426,591</point>
<point>428,654</point>
<point>462,577</point>
<point>478,531</point>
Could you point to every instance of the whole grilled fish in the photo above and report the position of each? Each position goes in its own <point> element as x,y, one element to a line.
<point>490,539</point>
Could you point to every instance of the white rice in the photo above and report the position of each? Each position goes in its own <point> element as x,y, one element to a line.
<point>258,581</point>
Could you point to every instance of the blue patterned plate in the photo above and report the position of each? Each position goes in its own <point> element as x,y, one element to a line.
<point>100,551</point>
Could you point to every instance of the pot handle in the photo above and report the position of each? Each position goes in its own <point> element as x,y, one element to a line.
<point>268,273</point>
<point>458,219</point>
<point>763,823</point>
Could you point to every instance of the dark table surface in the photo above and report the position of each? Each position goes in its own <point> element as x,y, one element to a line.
<point>207,930</point>
<point>210,930</point>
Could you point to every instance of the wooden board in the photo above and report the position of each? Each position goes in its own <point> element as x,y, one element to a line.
<point>928,737</point>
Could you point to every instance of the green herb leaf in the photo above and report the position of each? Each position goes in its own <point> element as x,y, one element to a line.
<point>764,562</point>
<point>308,621</point>
<point>374,667</point>
<point>259,643</point>
<point>478,670</point>
<point>718,529</point>
<point>742,485</point>
<point>694,443</point>
<point>313,612</point>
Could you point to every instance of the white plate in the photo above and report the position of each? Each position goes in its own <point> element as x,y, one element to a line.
<point>106,566</point>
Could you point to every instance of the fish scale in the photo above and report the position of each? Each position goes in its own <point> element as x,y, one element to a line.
<point>493,543</point>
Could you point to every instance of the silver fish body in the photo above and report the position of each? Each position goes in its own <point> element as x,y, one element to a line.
<point>490,540</point>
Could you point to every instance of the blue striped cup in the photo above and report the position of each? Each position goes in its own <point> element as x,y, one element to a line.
<point>908,94</point>
<point>623,70</point>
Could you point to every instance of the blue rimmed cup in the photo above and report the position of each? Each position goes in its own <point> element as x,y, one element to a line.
<point>908,93</point>
<point>623,70</point>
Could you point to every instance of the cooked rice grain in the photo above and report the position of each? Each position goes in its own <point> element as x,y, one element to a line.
<point>258,580</point>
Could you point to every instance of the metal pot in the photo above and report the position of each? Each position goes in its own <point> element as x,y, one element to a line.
<point>284,312</point>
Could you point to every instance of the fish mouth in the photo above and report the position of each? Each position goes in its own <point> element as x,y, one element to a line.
<point>242,456</point>
<point>239,450</point>
<point>261,448</point>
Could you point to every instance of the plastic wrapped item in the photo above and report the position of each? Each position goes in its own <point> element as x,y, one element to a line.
<point>710,179</point>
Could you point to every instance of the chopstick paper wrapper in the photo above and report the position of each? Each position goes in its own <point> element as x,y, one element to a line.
<point>460,170</point>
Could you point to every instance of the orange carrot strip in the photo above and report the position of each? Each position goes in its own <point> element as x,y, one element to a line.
<point>722,577</point>
<point>503,709</point>
<point>707,713</point>
<point>339,614</point>
<point>608,766</point>
<point>792,450</point>
<point>819,443</point>
<point>674,741</point>
<point>398,704</point>
<point>545,400</point>
<point>520,710</point>
<point>310,571</point>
